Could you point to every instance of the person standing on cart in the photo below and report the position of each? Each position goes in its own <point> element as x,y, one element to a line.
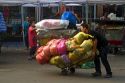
<point>101,43</point>
<point>71,17</point>
<point>32,36</point>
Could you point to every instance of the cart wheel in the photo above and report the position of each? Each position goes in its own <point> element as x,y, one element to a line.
<point>72,70</point>
<point>64,72</point>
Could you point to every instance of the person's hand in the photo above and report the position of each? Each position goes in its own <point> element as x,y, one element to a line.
<point>93,53</point>
<point>75,46</point>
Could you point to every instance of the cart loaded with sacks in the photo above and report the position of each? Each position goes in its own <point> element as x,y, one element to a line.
<point>67,53</point>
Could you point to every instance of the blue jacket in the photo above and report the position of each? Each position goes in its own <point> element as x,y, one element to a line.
<point>68,15</point>
<point>3,27</point>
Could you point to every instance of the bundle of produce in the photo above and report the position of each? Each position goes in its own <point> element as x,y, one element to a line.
<point>52,24</point>
<point>73,57</point>
<point>61,52</point>
<point>47,35</point>
<point>87,45</point>
<point>77,40</point>
<point>87,57</point>
<point>55,47</point>
<point>42,58</point>
<point>70,44</point>
<point>81,36</point>
<point>61,47</point>
<point>46,51</point>
<point>40,49</point>
<point>82,53</point>
<point>43,53</point>
<point>60,61</point>
<point>57,60</point>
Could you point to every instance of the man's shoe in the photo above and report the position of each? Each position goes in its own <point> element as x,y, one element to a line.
<point>96,74</point>
<point>108,76</point>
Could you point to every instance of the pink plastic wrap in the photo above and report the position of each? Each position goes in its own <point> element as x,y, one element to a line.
<point>62,47</point>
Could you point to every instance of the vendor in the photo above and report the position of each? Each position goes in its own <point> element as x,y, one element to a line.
<point>101,43</point>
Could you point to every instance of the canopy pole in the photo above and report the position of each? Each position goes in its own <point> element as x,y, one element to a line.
<point>94,11</point>
<point>94,15</point>
<point>86,6</point>
<point>39,12</point>
<point>22,18</point>
<point>82,11</point>
<point>36,13</point>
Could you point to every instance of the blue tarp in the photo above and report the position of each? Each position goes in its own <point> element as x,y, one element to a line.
<point>3,26</point>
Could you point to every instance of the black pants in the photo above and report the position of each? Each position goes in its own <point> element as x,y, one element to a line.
<point>1,40</point>
<point>33,50</point>
<point>26,42</point>
<point>0,45</point>
<point>103,56</point>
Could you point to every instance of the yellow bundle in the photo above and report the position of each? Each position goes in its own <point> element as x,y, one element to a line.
<point>81,36</point>
<point>87,45</point>
<point>58,61</point>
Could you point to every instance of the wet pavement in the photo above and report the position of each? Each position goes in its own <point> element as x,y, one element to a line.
<point>16,68</point>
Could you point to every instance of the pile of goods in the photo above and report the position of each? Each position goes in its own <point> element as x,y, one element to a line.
<point>49,29</point>
<point>67,52</point>
<point>52,24</point>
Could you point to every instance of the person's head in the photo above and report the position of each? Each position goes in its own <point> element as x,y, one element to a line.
<point>27,19</point>
<point>84,28</point>
<point>62,8</point>
<point>32,23</point>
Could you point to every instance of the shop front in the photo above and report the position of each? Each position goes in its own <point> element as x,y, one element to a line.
<point>12,16</point>
<point>110,19</point>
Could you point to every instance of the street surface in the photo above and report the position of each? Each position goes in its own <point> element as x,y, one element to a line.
<point>15,68</point>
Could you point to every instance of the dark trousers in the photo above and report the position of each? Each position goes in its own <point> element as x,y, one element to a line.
<point>103,56</point>
<point>26,42</point>
<point>0,45</point>
<point>1,40</point>
<point>71,26</point>
<point>33,50</point>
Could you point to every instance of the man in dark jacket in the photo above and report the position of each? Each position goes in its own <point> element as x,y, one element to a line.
<point>101,44</point>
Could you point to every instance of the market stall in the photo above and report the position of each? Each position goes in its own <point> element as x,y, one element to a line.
<point>55,6</point>
<point>3,29</point>
<point>12,15</point>
<point>31,11</point>
<point>111,19</point>
<point>113,30</point>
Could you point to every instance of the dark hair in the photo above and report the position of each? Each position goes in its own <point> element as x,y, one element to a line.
<point>85,25</point>
<point>31,22</point>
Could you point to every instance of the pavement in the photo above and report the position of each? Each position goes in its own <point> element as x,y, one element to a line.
<point>16,68</point>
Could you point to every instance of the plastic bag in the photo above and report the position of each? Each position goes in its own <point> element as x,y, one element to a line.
<point>52,24</point>
<point>88,65</point>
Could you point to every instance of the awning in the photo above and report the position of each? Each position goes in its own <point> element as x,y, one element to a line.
<point>107,1</point>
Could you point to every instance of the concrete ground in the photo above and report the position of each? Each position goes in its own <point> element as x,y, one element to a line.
<point>15,68</point>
